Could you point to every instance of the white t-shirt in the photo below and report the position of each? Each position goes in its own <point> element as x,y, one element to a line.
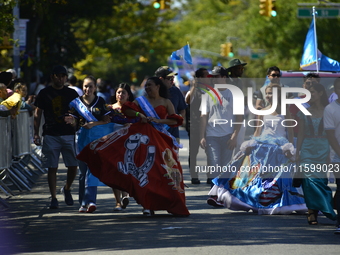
<point>219,116</point>
<point>331,120</point>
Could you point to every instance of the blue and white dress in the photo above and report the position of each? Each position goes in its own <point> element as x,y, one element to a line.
<point>262,180</point>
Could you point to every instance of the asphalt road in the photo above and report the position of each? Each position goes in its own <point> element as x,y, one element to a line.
<point>29,227</point>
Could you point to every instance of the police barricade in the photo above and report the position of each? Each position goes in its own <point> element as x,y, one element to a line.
<point>21,147</point>
<point>21,134</point>
<point>6,152</point>
<point>17,155</point>
<point>5,143</point>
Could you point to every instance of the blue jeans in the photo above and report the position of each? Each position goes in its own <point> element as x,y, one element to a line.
<point>86,194</point>
<point>217,152</point>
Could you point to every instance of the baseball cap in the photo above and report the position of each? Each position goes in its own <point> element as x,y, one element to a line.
<point>164,71</point>
<point>59,69</point>
<point>219,70</point>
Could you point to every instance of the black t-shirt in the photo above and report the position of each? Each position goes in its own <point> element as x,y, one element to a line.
<point>55,104</point>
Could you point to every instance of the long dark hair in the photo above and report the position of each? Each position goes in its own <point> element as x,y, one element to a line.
<point>163,90</point>
<point>128,90</point>
<point>91,77</point>
<point>320,88</point>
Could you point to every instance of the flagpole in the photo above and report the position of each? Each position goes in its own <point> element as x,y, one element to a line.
<point>315,40</point>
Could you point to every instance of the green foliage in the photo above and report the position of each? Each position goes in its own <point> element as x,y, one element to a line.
<point>6,18</point>
<point>112,38</point>
<point>282,37</point>
<point>118,43</point>
<point>105,39</point>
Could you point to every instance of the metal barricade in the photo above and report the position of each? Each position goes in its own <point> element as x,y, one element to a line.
<point>5,143</point>
<point>6,152</point>
<point>16,154</point>
<point>21,144</point>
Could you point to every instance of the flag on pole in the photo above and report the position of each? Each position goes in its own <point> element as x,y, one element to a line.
<point>328,64</point>
<point>183,52</point>
<point>310,57</point>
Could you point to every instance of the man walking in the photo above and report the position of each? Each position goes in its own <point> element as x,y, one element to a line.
<point>218,140</point>
<point>235,70</point>
<point>58,132</point>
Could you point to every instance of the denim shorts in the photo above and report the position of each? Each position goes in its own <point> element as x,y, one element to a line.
<point>53,146</point>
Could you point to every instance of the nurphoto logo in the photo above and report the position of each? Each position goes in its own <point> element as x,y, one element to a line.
<point>238,105</point>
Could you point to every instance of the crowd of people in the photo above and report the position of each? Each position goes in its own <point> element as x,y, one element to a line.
<point>87,124</point>
<point>283,168</point>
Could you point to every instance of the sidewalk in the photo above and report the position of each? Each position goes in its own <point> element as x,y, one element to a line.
<point>29,227</point>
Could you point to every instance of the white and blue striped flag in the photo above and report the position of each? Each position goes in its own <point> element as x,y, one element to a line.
<point>183,52</point>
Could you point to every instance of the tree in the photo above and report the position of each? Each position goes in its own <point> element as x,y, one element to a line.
<point>105,39</point>
<point>282,37</point>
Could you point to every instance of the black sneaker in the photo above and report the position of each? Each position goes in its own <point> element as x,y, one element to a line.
<point>67,196</point>
<point>195,181</point>
<point>54,204</point>
<point>125,202</point>
<point>148,212</point>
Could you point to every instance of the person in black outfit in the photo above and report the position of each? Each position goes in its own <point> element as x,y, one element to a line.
<point>58,132</point>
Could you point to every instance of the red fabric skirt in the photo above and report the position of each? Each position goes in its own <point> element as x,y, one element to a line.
<point>141,161</point>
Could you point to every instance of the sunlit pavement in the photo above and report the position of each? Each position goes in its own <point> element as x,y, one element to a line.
<point>29,227</point>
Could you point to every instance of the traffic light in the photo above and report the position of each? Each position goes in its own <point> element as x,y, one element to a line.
<point>133,76</point>
<point>223,50</point>
<point>264,8</point>
<point>227,50</point>
<point>230,52</point>
<point>267,8</point>
<point>156,4</point>
<point>273,12</point>
<point>161,4</point>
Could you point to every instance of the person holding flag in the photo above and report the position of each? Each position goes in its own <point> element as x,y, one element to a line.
<point>146,164</point>
<point>94,126</point>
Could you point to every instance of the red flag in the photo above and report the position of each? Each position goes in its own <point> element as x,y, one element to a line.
<point>141,161</point>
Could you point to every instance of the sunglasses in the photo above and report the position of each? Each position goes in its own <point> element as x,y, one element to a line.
<point>275,75</point>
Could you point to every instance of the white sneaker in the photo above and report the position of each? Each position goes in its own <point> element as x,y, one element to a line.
<point>82,209</point>
<point>91,208</point>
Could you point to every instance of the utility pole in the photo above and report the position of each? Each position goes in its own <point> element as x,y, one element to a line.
<point>16,50</point>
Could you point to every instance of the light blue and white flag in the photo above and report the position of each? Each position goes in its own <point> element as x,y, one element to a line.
<point>183,52</point>
<point>310,57</point>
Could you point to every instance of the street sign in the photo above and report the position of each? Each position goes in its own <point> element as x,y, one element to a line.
<point>328,13</point>
<point>257,55</point>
